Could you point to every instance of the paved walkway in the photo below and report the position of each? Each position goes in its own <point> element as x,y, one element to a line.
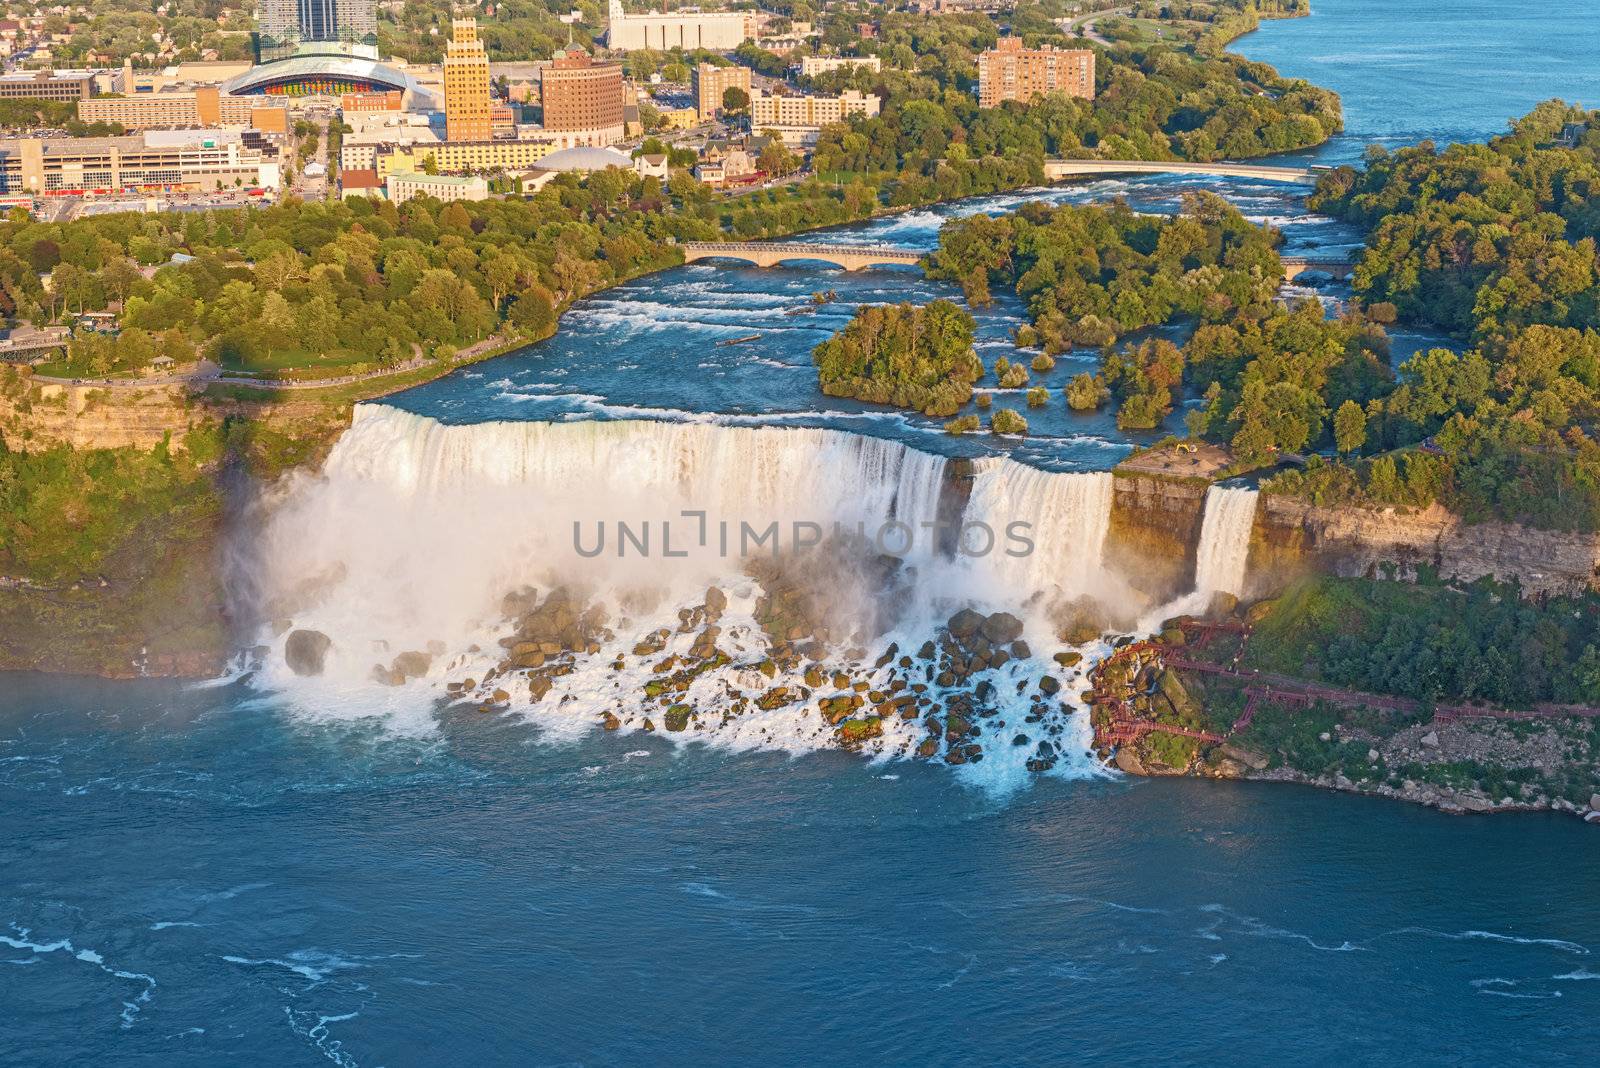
<point>207,373</point>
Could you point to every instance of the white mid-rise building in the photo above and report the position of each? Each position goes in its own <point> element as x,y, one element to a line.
<point>773,109</point>
<point>718,31</point>
<point>811,66</point>
<point>403,187</point>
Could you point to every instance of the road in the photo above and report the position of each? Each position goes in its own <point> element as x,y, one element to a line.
<point>314,187</point>
<point>1083,25</point>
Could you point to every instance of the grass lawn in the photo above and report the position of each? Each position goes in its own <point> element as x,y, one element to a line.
<point>297,360</point>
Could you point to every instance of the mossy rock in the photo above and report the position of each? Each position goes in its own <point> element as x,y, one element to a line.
<point>855,731</point>
<point>1259,611</point>
<point>677,717</point>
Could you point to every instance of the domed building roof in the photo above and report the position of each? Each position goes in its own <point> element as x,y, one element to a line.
<point>306,75</point>
<point>583,158</point>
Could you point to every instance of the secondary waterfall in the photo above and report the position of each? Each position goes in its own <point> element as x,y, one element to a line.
<point>1224,540</point>
<point>1066,516</point>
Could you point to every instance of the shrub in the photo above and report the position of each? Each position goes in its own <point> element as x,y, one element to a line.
<point>1006,421</point>
<point>1011,375</point>
<point>1038,397</point>
<point>965,424</point>
<point>1087,392</point>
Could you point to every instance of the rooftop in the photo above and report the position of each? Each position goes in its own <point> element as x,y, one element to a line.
<point>435,179</point>
<point>583,158</point>
<point>46,75</point>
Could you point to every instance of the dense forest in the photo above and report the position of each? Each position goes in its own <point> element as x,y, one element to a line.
<point>1497,244</point>
<point>1435,643</point>
<point>330,284</point>
<point>1154,103</point>
<point>1090,274</point>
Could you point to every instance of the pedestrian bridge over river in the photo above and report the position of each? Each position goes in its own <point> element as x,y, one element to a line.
<point>1332,266</point>
<point>1056,169</point>
<point>772,253</point>
<point>858,257</point>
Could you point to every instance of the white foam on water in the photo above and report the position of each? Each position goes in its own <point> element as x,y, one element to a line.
<point>130,1009</point>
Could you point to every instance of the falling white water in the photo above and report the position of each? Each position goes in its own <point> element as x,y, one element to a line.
<point>415,531</point>
<point>1066,516</point>
<point>1224,547</point>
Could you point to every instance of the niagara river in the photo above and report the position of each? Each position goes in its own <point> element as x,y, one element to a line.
<point>479,792</point>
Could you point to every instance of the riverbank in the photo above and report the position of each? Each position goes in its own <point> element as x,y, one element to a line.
<point>1203,699</point>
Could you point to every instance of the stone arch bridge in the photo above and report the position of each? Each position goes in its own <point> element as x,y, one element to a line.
<point>772,253</point>
<point>859,257</point>
<point>1056,169</point>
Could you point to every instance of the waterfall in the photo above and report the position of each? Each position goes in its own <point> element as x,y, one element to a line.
<point>1224,540</point>
<point>730,472</point>
<point>1067,516</point>
<point>421,542</point>
<point>416,529</point>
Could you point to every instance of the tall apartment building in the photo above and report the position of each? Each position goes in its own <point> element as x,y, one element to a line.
<point>1010,72</point>
<point>287,27</point>
<point>719,31</point>
<point>466,85</point>
<point>578,94</point>
<point>709,81</point>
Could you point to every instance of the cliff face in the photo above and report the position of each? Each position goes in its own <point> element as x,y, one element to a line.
<point>1155,529</point>
<point>38,413</point>
<point>1292,535</point>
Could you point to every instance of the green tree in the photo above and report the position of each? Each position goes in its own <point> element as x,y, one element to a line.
<point>1349,427</point>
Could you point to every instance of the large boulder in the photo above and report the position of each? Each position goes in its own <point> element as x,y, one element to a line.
<point>1002,628</point>
<point>965,623</point>
<point>413,663</point>
<point>306,651</point>
<point>1248,757</point>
